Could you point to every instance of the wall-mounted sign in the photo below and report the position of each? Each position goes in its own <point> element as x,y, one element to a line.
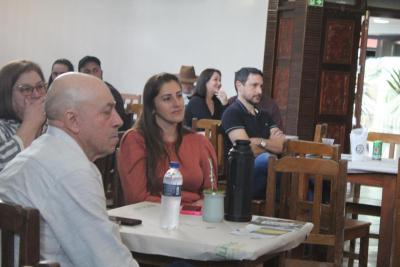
<point>319,3</point>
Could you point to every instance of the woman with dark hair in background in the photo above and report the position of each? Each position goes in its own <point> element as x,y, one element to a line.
<point>59,67</point>
<point>209,100</point>
<point>157,138</point>
<point>22,94</point>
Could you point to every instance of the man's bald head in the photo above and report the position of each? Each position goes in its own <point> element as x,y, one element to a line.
<point>83,107</point>
<point>71,91</point>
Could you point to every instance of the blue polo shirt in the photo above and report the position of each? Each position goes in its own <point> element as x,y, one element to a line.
<point>236,116</point>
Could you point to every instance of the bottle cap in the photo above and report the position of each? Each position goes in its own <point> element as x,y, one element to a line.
<point>174,164</point>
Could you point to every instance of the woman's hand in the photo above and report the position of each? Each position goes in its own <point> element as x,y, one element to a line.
<point>33,120</point>
<point>34,113</point>
<point>222,96</point>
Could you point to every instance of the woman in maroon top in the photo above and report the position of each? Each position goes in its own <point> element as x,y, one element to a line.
<point>157,138</point>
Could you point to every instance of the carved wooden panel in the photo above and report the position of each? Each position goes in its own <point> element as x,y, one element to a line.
<point>334,96</point>
<point>337,131</point>
<point>338,46</point>
<point>285,38</point>
<point>281,86</point>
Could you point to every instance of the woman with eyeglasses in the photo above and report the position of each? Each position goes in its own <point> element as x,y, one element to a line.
<point>159,137</point>
<point>22,94</point>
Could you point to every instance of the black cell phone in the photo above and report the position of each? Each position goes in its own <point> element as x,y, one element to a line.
<point>126,221</point>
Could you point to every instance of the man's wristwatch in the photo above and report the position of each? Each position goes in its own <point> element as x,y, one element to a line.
<point>263,144</point>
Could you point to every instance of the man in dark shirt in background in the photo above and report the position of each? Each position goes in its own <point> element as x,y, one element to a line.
<point>243,120</point>
<point>91,65</point>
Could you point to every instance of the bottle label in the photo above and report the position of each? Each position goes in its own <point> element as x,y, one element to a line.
<point>171,190</point>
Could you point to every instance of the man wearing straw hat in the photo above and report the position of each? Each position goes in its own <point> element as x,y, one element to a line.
<point>187,77</point>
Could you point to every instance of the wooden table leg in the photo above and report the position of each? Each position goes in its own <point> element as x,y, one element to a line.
<point>386,221</point>
<point>396,241</point>
<point>388,184</point>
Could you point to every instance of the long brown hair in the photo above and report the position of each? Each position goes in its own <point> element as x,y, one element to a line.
<point>201,85</point>
<point>9,75</point>
<point>152,133</point>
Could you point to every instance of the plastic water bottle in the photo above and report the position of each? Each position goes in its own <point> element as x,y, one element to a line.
<point>171,197</point>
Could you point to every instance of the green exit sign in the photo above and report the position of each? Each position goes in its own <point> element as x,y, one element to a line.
<point>319,3</point>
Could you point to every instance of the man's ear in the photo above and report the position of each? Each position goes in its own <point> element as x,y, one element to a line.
<point>238,86</point>
<point>72,121</point>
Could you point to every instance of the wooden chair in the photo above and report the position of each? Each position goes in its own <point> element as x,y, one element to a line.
<point>106,168</point>
<point>109,173</point>
<point>118,193</point>
<point>134,110</point>
<point>300,149</point>
<point>320,132</point>
<point>328,219</point>
<point>131,99</point>
<point>353,228</point>
<point>212,130</point>
<point>25,223</point>
<point>357,205</point>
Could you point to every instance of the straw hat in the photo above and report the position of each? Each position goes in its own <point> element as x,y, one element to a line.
<point>187,74</point>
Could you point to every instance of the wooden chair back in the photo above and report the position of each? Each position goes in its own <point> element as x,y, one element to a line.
<point>302,148</point>
<point>118,193</point>
<point>134,110</point>
<point>320,132</point>
<point>391,139</point>
<point>326,232</point>
<point>109,173</point>
<point>131,98</point>
<point>299,148</point>
<point>25,223</point>
<point>213,131</point>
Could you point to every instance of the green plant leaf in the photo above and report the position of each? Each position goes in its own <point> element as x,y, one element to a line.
<point>394,82</point>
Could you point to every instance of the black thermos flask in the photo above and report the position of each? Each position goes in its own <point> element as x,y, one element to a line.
<point>240,182</point>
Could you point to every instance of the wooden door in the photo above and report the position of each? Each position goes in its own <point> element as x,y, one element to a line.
<point>310,65</point>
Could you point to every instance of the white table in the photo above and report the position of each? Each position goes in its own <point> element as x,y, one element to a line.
<point>380,173</point>
<point>370,165</point>
<point>198,240</point>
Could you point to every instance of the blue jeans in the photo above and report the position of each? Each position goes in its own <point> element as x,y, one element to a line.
<point>260,177</point>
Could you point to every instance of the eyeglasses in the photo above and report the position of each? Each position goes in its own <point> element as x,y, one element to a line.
<point>27,90</point>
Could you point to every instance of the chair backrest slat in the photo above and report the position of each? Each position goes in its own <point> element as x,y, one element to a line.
<point>388,138</point>
<point>23,222</point>
<point>320,132</point>
<point>302,148</point>
<point>213,131</point>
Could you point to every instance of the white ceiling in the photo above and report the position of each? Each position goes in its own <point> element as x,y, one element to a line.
<point>391,28</point>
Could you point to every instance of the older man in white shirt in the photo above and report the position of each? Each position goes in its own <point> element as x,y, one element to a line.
<point>56,175</point>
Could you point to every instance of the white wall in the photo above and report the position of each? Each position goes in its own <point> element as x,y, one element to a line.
<point>136,38</point>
